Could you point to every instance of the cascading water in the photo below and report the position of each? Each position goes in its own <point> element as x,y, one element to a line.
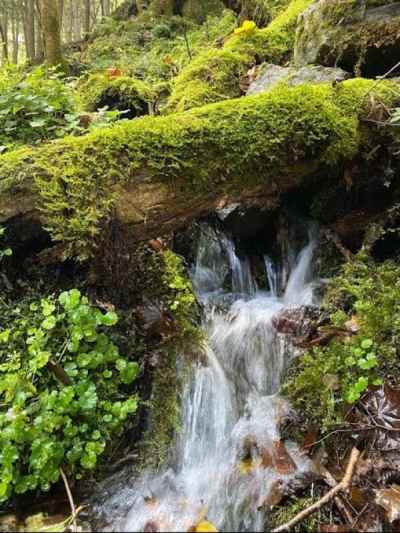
<point>229,458</point>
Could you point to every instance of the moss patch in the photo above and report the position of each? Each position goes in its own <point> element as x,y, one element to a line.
<point>166,383</point>
<point>121,93</point>
<point>274,139</point>
<point>323,383</point>
<point>221,69</point>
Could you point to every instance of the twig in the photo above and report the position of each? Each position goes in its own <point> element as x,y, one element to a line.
<point>381,78</point>
<point>70,499</point>
<point>340,504</point>
<point>342,486</point>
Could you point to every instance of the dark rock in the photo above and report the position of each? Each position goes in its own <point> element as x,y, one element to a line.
<point>299,322</point>
<point>270,75</point>
<point>356,36</point>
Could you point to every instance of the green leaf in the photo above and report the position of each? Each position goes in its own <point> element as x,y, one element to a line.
<point>49,323</point>
<point>110,319</point>
<point>366,343</point>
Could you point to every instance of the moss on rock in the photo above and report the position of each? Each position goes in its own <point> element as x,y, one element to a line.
<point>221,69</point>
<point>359,37</point>
<point>120,93</point>
<point>152,163</point>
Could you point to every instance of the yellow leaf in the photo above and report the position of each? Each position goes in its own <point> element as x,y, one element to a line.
<point>248,465</point>
<point>206,527</point>
<point>247,27</point>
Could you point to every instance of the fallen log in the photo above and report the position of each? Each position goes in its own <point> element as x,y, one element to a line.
<point>155,174</point>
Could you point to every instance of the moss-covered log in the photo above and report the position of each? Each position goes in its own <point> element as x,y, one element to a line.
<point>156,173</point>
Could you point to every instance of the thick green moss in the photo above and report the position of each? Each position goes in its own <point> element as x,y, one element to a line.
<point>211,77</point>
<point>167,379</point>
<point>119,93</point>
<point>221,69</point>
<point>273,139</point>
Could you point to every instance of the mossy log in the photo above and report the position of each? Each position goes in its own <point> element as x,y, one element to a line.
<point>157,173</point>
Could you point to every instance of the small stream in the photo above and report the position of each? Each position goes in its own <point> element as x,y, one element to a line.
<point>229,457</point>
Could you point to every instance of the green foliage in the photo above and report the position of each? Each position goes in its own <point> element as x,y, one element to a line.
<point>63,389</point>
<point>182,302</point>
<point>324,381</point>
<point>251,141</point>
<point>120,93</point>
<point>34,107</point>
<point>153,48</point>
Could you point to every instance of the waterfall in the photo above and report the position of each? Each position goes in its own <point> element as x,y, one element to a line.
<point>229,455</point>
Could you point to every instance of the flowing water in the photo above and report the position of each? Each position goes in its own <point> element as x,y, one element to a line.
<point>229,458</point>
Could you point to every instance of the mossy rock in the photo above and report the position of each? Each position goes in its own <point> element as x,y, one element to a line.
<point>212,76</point>
<point>218,71</point>
<point>120,93</point>
<point>361,37</point>
<point>160,172</point>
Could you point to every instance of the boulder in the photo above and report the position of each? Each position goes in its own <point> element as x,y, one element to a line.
<point>270,75</point>
<point>361,37</point>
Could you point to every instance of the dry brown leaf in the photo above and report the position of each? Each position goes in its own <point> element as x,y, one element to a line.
<point>389,499</point>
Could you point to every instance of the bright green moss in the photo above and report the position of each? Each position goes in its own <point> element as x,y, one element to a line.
<point>154,48</point>
<point>324,382</point>
<point>119,93</point>
<point>166,384</point>
<point>274,139</point>
<point>221,69</point>
<point>212,76</point>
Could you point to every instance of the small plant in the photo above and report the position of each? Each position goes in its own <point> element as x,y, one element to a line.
<point>63,388</point>
<point>325,380</point>
<point>34,107</point>
<point>362,356</point>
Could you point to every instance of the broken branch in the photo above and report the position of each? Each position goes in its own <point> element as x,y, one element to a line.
<point>342,486</point>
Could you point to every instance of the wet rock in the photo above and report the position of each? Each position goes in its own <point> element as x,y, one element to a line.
<point>270,75</point>
<point>156,321</point>
<point>299,322</point>
<point>357,36</point>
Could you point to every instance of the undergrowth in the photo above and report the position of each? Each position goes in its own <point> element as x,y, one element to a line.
<point>323,383</point>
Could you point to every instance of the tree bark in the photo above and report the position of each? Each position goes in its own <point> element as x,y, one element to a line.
<point>29,29</point>
<point>87,16</point>
<point>4,37</point>
<point>50,19</point>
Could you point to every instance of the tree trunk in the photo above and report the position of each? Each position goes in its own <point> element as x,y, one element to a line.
<point>51,32</point>
<point>4,38</point>
<point>29,29</point>
<point>87,16</point>
<point>15,35</point>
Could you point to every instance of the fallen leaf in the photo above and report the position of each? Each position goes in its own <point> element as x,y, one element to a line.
<point>379,411</point>
<point>335,528</point>
<point>248,465</point>
<point>283,463</point>
<point>389,499</point>
<point>205,527</point>
<point>352,325</point>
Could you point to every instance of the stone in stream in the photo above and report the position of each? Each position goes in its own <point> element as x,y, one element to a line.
<point>269,76</point>
<point>361,37</point>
